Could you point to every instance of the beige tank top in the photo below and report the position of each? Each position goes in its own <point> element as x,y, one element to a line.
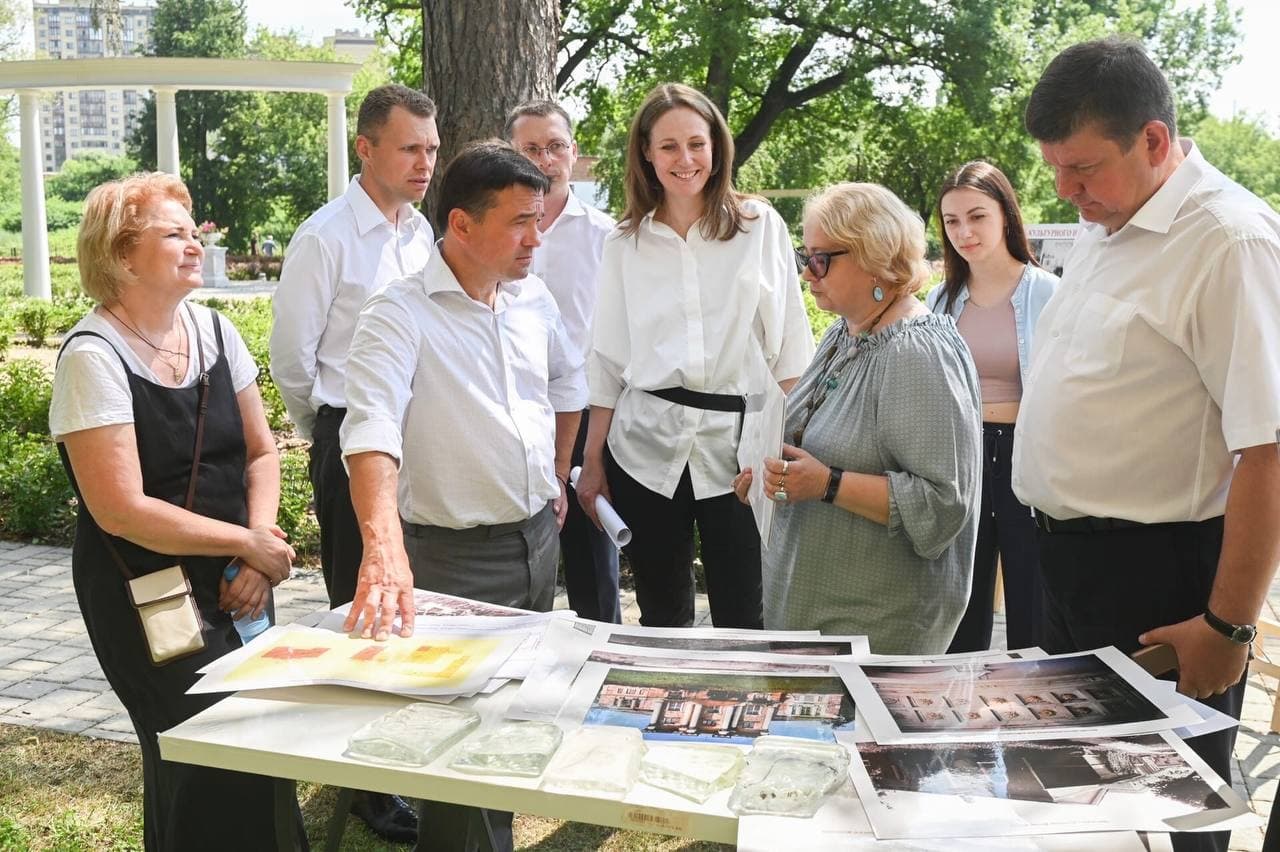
<point>992,335</point>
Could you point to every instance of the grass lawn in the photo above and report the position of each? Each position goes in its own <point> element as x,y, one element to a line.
<point>71,793</point>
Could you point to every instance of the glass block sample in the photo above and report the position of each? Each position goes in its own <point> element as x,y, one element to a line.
<point>512,748</point>
<point>787,776</point>
<point>414,735</point>
<point>596,759</point>
<point>695,771</point>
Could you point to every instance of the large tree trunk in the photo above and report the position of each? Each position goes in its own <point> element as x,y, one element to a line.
<point>480,58</point>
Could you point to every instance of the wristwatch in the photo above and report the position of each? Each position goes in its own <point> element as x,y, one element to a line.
<point>1241,634</point>
<point>833,485</point>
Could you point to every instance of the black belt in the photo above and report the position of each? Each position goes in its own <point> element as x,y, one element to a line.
<point>1090,524</point>
<point>705,401</point>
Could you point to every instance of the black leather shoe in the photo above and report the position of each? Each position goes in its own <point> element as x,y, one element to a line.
<point>387,816</point>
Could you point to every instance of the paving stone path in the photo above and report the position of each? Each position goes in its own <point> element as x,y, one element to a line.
<point>49,676</point>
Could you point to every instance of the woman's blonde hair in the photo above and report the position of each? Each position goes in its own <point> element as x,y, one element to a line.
<point>882,234</point>
<point>115,215</point>
<point>722,215</point>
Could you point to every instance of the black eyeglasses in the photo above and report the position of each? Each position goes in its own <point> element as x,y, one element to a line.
<point>818,263</point>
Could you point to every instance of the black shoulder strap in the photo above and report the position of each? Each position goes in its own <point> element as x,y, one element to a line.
<point>86,333</point>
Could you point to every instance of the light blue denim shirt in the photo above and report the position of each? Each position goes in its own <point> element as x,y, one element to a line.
<point>1030,296</point>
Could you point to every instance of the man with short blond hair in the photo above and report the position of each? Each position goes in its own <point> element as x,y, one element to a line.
<point>346,251</point>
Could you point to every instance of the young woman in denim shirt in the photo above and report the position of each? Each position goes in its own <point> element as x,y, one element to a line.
<point>994,290</point>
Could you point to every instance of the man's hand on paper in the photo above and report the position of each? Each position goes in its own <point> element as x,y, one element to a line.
<point>383,591</point>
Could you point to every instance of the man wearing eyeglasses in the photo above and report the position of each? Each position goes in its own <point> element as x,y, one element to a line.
<point>567,261</point>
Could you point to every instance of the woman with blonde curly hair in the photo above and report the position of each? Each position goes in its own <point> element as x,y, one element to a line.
<point>878,482</point>
<point>161,429</point>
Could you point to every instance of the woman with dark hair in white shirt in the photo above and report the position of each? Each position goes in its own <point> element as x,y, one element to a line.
<point>699,305</point>
<point>994,290</point>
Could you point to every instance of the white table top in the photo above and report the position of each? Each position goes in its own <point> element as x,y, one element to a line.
<point>302,733</point>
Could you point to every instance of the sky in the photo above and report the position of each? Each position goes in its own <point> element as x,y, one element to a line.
<point>312,19</point>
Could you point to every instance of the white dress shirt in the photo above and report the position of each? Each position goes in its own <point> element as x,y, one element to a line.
<point>1157,358</point>
<point>717,316</point>
<point>344,253</point>
<point>568,262</point>
<point>475,388</point>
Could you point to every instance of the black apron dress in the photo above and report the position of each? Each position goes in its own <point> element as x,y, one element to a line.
<point>185,807</point>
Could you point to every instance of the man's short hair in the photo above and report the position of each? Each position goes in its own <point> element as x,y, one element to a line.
<point>480,172</point>
<point>376,107</point>
<point>539,109</point>
<point>1110,82</point>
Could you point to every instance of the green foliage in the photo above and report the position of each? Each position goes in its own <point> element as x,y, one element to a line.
<point>82,173</point>
<point>13,837</point>
<point>35,496</point>
<point>34,318</point>
<point>58,214</point>
<point>897,92</point>
<point>252,318</point>
<point>10,176</point>
<point>26,390</point>
<point>295,516</point>
<point>205,28</point>
<point>1246,152</point>
<point>255,162</point>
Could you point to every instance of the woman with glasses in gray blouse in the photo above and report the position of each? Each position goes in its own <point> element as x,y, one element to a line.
<point>877,487</point>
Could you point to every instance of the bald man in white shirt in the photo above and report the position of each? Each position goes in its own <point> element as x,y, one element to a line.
<point>1147,433</point>
<point>568,261</point>
<point>341,255</point>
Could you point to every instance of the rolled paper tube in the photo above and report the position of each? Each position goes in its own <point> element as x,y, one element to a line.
<point>614,526</point>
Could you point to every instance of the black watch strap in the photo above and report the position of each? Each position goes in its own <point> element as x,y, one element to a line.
<point>833,485</point>
<point>1241,634</point>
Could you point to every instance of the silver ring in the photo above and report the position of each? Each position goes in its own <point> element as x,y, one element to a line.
<point>779,496</point>
<point>786,463</point>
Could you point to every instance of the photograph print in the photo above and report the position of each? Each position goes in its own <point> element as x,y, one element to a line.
<point>722,708</point>
<point>1078,691</point>
<point>1036,786</point>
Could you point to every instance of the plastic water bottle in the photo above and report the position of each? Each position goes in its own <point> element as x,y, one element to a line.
<point>248,628</point>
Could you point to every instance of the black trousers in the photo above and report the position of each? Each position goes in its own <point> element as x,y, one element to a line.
<point>1006,530</point>
<point>662,548</point>
<point>590,559</point>
<point>340,545</point>
<point>1106,588</point>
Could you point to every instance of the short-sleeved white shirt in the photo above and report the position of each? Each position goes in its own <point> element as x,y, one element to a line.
<point>91,389</point>
<point>1157,358</point>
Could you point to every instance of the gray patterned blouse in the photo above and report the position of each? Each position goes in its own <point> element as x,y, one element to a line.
<point>903,402</point>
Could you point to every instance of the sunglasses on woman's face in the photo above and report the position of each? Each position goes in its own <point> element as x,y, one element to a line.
<point>818,263</point>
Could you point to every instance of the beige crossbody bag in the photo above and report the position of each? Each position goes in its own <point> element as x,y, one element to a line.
<point>163,599</point>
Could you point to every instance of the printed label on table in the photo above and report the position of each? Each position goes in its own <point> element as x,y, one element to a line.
<point>655,819</point>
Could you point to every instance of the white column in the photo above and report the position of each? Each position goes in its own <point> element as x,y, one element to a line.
<point>166,131</point>
<point>35,236</point>
<point>338,175</point>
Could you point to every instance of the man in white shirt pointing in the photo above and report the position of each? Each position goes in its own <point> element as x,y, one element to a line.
<point>568,261</point>
<point>340,256</point>
<point>465,394</point>
<point>1147,434</point>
